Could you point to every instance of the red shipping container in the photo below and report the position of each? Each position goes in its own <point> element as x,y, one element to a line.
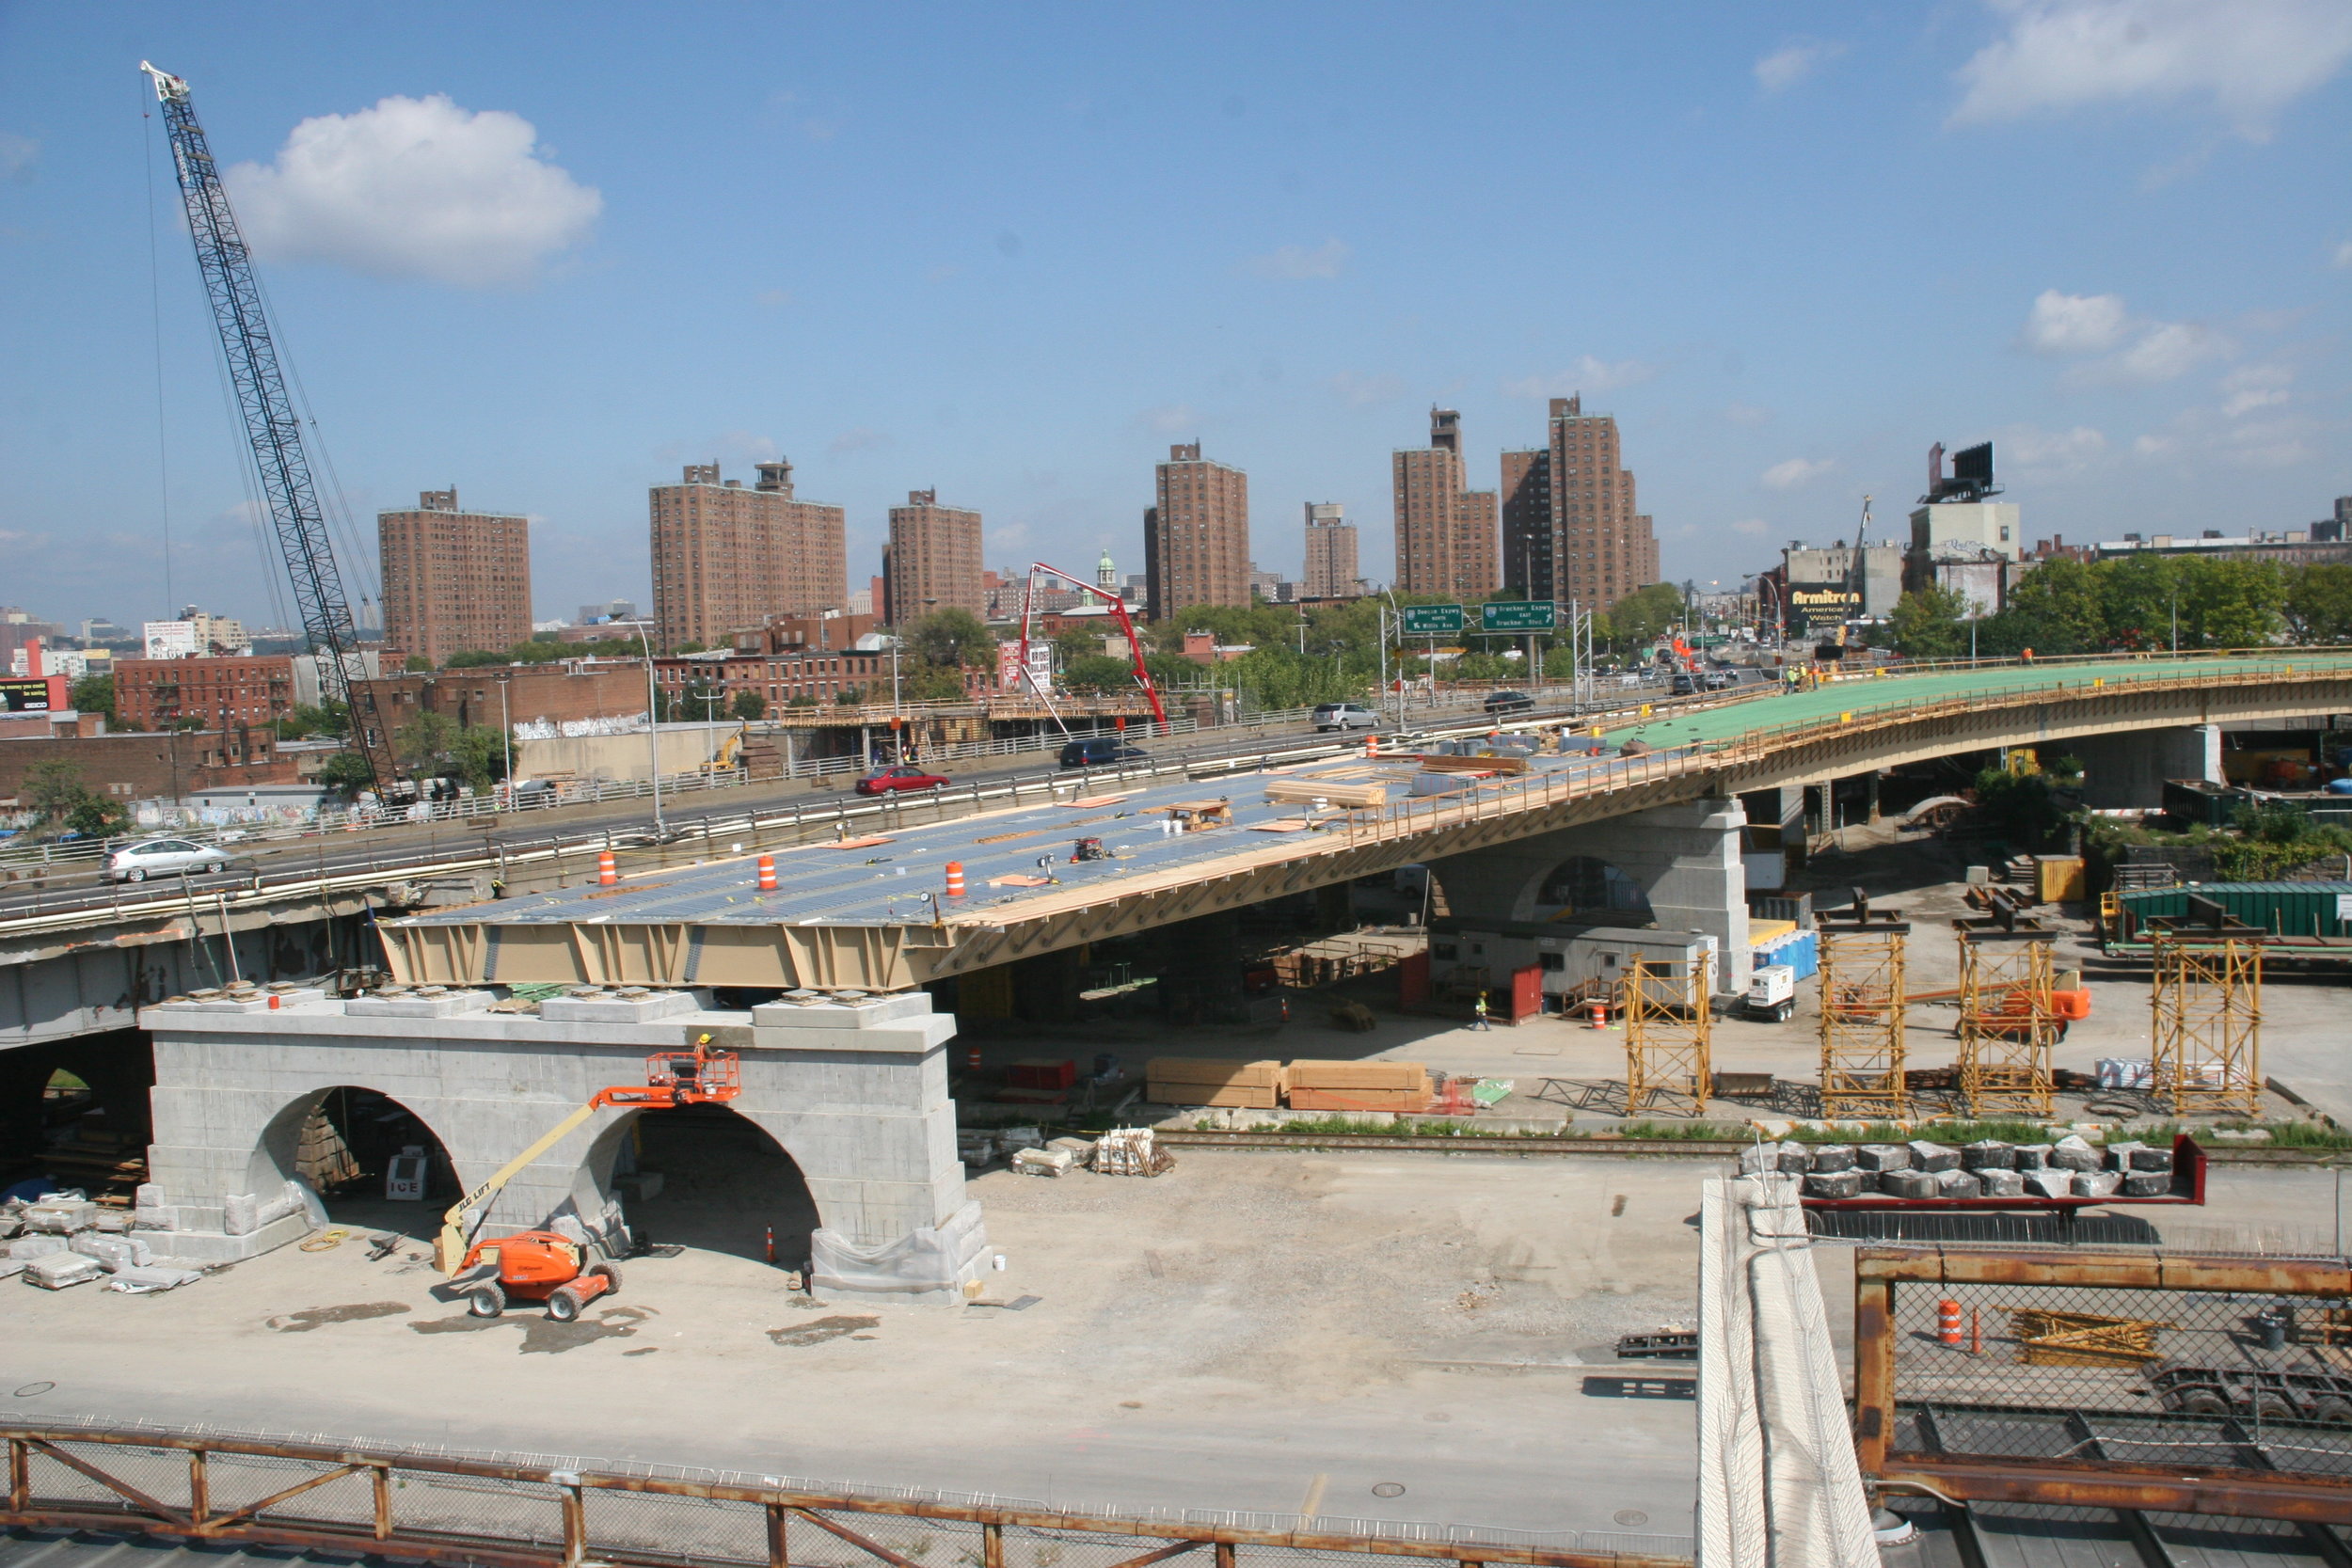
<point>1039,1072</point>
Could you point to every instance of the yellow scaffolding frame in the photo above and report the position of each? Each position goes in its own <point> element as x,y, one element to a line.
<point>1862,1018</point>
<point>1666,1037</point>
<point>2007,1025</point>
<point>2207,1002</point>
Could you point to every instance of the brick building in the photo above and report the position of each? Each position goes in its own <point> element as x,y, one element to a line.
<point>1331,567</point>
<point>792,633</point>
<point>157,693</point>
<point>932,560</point>
<point>805,674</point>
<point>454,582</point>
<point>1571,530</point>
<point>1445,531</point>
<point>561,694</point>
<point>168,766</point>
<point>725,557</point>
<point>1196,540</point>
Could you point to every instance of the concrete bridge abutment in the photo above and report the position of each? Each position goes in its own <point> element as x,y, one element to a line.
<point>854,1093</point>
<point>1685,858</point>
<point>2127,770</point>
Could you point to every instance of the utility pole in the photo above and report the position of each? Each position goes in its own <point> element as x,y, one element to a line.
<point>506,732</point>
<point>653,728</point>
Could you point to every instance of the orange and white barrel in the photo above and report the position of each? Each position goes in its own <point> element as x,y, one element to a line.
<point>767,873</point>
<point>1947,1326</point>
<point>607,874</point>
<point>955,879</point>
<point>1371,744</point>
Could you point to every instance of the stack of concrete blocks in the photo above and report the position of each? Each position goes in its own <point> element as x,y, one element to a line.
<point>854,1090</point>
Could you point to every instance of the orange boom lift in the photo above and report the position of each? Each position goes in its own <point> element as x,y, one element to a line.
<point>542,1265</point>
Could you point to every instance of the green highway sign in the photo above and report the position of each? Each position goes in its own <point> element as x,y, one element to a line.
<point>1432,620</point>
<point>1517,615</point>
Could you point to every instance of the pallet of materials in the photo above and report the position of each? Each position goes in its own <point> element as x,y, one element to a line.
<point>1196,1081</point>
<point>1326,1086</point>
<point>1356,797</point>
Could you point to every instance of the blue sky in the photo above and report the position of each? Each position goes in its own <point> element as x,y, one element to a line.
<point>548,254</point>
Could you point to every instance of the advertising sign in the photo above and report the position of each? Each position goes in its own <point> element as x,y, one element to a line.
<point>31,694</point>
<point>1519,615</point>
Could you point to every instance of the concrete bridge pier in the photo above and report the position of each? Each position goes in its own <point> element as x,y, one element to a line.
<point>1684,859</point>
<point>2129,768</point>
<point>855,1095</point>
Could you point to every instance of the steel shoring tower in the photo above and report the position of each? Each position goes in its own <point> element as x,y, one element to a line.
<point>271,427</point>
<point>2007,1028</point>
<point>1666,1020</point>
<point>1862,1018</point>
<point>2207,1001</point>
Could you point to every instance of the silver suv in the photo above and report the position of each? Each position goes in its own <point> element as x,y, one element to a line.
<point>1346,715</point>
<point>163,857</point>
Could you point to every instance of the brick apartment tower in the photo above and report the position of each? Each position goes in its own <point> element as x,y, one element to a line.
<point>1445,533</point>
<point>1570,533</point>
<point>1196,541</point>
<point>454,582</point>
<point>1331,570</point>
<point>724,557</point>
<point>932,560</point>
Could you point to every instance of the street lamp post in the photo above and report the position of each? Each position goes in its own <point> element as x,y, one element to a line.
<point>506,732</point>
<point>653,728</point>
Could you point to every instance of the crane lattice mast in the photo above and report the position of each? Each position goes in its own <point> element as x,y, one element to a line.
<point>271,428</point>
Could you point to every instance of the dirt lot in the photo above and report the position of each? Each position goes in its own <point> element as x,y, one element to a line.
<point>1252,1331</point>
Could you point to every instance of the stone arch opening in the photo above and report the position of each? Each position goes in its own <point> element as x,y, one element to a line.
<point>352,1145</point>
<point>1588,891</point>
<point>705,1176</point>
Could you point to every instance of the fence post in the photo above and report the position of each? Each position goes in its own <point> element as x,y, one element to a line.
<point>20,1475</point>
<point>199,1488</point>
<point>1874,1371</point>
<point>779,1536</point>
<point>380,1477</point>
<point>575,1522</point>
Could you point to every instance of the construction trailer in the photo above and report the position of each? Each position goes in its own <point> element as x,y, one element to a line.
<point>1576,962</point>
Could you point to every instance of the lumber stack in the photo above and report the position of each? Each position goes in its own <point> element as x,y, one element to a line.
<point>1198,1081</point>
<point>1359,1086</point>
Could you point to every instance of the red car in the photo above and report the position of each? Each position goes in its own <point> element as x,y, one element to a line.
<point>900,778</point>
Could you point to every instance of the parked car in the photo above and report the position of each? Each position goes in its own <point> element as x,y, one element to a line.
<point>162,857</point>
<point>1346,715</point>
<point>905,776</point>
<point>1099,750</point>
<point>1509,701</point>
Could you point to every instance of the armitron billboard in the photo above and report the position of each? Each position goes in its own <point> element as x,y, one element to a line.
<point>1813,606</point>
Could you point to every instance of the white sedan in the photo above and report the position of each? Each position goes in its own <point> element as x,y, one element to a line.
<point>136,862</point>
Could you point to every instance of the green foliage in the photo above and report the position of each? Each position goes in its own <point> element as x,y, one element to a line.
<point>1931,624</point>
<point>329,719</point>
<point>1677,1130</point>
<point>423,743</point>
<point>1096,672</point>
<point>53,788</point>
<point>954,637</point>
<point>479,756</point>
<point>2318,606</point>
<point>417,664</point>
<point>1641,615</point>
<point>698,702</point>
<point>921,682</point>
<point>346,771</point>
<point>475,659</point>
<point>95,817</point>
<point>749,706</point>
<point>95,694</point>
<point>849,696</point>
<point>2023,806</point>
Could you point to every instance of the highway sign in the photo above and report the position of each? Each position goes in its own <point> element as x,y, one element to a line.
<point>1432,620</point>
<point>1519,615</point>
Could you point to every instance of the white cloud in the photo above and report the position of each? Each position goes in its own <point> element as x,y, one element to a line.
<point>1796,472</point>
<point>416,188</point>
<point>2255,386</point>
<point>2076,323</point>
<point>1785,67</point>
<point>1587,374</point>
<point>2050,451</point>
<point>860,439</point>
<point>2248,58</point>
<point>2152,445</point>
<point>1295,261</point>
<point>2137,349</point>
<point>18,154</point>
<point>1169,417</point>
<point>1362,390</point>
<point>1749,526</point>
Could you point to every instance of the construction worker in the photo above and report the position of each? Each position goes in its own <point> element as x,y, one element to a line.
<point>1481,1022</point>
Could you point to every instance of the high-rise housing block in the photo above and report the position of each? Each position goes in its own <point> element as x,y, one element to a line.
<point>1570,531</point>
<point>725,557</point>
<point>932,560</point>
<point>454,582</point>
<point>1331,570</point>
<point>1196,539</point>
<point>1445,531</point>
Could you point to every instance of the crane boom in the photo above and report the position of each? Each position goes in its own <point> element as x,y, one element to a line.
<point>272,431</point>
<point>1119,610</point>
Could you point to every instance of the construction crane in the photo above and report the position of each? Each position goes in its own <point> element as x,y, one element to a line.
<point>271,428</point>
<point>1852,589</point>
<point>1119,610</point>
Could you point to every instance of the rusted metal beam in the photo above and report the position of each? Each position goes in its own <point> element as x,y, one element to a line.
<point>2145,1271</point>
<point>249,1510</point>
<point>2151,1489</point>
<point>1873,1371</point>
<point>121,1489</point>
<point>862,1542</point>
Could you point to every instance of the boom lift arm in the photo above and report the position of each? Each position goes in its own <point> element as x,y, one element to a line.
<point>271,428</point>
<point>1119,610</point>
<point>697,1077</point>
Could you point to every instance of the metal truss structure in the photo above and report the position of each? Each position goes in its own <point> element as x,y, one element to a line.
<point>1666,1041</point>
<point>1862,1016</point>
<point>2007,1027</point>
<point>2207,1000</point>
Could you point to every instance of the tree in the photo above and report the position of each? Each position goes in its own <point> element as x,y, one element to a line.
<point>95,694</point>
<point>1930,624</point>
<point>329,719</point>
<point>2058,608</point>
<point>475,659</point>
<point>422,744</point>
<point>2230,604</point>
<point>952,638</point>
<point>417,664</point>
<point>1096,672</point>
<point>697,702</point>
<point>1641,615</point>
<point>749,706</point>
<point>2319,605</point>
<point>2024,806</point>
<point>479,756</point>
<point>53,788</point>
<point>921,682</point>
<point>347,771</point>
<point>95,817</point>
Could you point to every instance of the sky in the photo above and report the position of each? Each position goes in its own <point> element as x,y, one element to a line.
<point>548,254</point>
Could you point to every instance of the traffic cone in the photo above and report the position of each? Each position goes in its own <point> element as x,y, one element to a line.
<point>1372,745</point>
<point>767,873</point>
<point>972,1059</point>
<point>1948,1321</point>
<point>955,879</point>
<point>607,875</point>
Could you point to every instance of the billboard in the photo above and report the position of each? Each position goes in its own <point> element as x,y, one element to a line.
<point>1519,615</point>
<point>1821,606</point>
<point>32,693</point>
